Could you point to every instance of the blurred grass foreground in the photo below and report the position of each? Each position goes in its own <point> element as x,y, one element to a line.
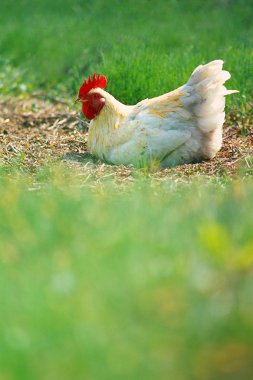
<point>102,280</point>
<point>154,282</point>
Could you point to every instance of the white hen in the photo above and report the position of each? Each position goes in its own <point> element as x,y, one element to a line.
<point>182,126</point>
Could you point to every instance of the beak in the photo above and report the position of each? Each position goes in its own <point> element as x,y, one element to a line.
<point>80,100</point>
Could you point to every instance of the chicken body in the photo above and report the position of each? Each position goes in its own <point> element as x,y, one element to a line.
<point>182,126</point>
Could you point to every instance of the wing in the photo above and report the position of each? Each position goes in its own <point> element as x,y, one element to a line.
<point>154,129</point>
<point>143,148</point>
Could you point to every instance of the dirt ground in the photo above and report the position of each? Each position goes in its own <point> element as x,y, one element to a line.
<point>36,132</point>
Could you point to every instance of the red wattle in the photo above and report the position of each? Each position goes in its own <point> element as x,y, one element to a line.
<point>91,109</point>
<point>88,111</point>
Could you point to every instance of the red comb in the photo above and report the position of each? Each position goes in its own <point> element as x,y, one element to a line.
<point>97,81</point>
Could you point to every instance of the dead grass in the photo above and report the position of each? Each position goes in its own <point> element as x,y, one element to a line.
<point>36,132</point>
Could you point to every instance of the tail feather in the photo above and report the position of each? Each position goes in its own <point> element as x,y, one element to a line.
<point>204,71</point>
<point>228,92</point>
<point>204,95</point>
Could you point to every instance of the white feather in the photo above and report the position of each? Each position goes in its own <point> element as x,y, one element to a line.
<point>178,127</point>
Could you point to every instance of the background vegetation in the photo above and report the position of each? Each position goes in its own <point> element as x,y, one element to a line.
<point>105,280</point>
<point>52,45</point>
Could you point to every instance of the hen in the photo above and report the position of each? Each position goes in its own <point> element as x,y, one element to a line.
<point>179,127</point>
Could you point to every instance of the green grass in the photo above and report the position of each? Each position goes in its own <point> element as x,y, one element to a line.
<point>145,49</point>
<point>102,278</point>
<point>102,284</point>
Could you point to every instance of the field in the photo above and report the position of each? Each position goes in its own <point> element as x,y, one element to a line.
<point>113,272</point>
